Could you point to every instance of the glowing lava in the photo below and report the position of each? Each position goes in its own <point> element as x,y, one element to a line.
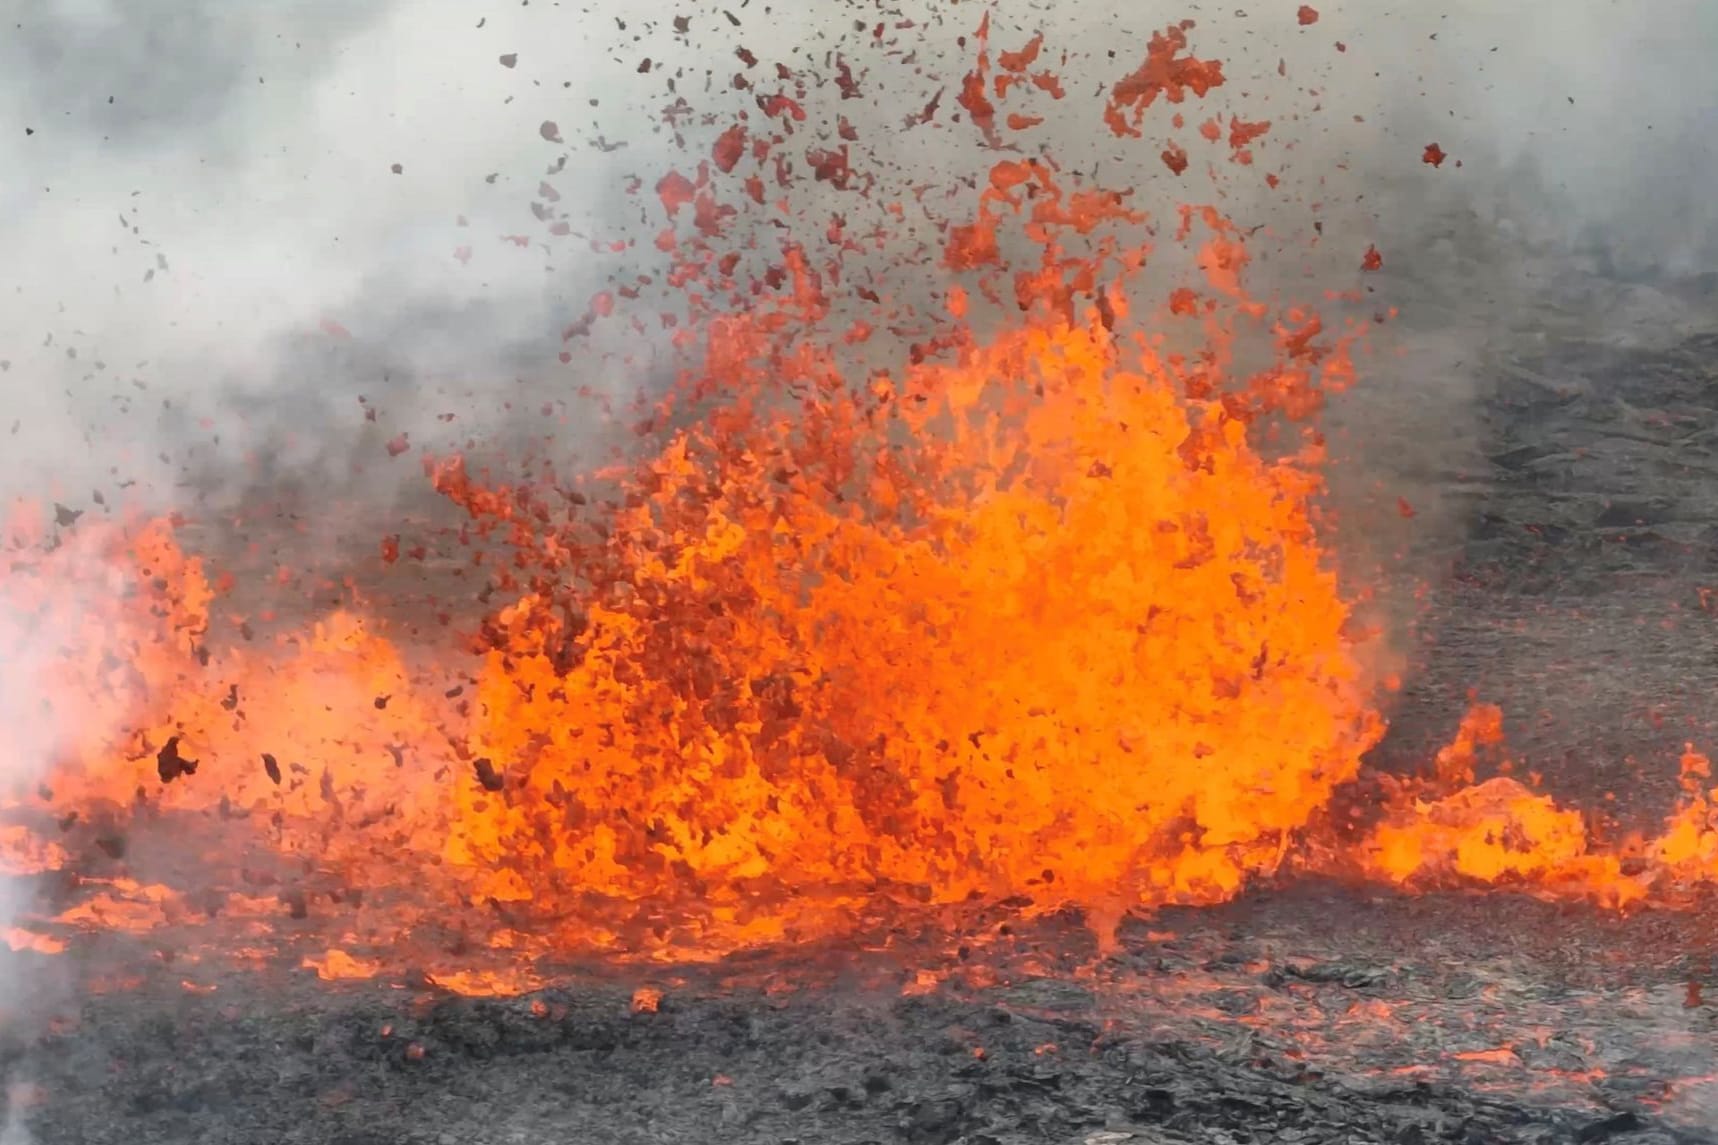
<point>1031,623</point>
<point>1038,615</point>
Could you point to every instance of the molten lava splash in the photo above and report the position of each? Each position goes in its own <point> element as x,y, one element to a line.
<point>98,628</point>
<point>1037,617</point>
<point>1495,832</point>
<point>1500,832</point>
<point>318,735</point>
<point>1032,623</point>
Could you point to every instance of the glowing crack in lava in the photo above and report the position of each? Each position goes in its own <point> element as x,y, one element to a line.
<point>1037,616</point>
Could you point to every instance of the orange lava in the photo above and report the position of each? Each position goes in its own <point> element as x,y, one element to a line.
<point>1032,623</point>
<point>1036,616</point>
<point>1500,832</point>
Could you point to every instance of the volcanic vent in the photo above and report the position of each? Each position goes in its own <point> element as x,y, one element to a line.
<point>941,712</point>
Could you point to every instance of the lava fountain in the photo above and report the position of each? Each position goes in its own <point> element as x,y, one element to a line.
<point>1039,614</point>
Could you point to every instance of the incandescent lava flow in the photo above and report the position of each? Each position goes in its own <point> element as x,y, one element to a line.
<point>1041,614</point>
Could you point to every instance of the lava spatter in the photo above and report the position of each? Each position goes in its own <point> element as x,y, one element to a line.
<point>1033,617</point>
<point>1033,623</point>
<point>1454,830</point>
<point>1025,606</point>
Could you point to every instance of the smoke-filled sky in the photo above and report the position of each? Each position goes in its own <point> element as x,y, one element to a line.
<point>197,197</point>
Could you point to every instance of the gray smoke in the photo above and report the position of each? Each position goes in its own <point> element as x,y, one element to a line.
<point>200,200</point>
<point>212,256</point>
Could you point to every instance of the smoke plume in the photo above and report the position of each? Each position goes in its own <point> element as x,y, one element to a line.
<point>212,262</point>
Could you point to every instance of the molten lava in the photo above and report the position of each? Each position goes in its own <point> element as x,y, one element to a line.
<point>1033,622</point>
<point>1037,615</point>
<point>1500,832</point>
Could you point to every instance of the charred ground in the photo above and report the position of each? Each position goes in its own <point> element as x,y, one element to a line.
<point>1312,1016</point>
